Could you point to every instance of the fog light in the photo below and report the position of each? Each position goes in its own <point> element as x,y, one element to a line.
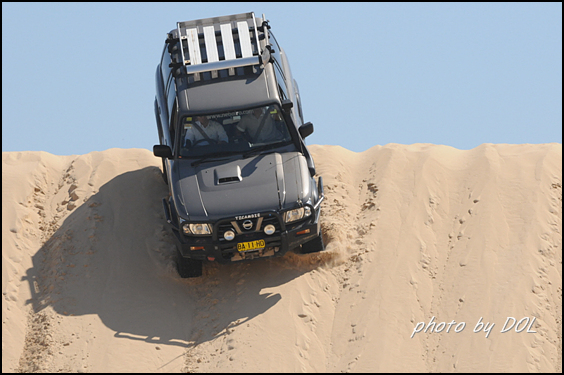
<point>229,235</point>
<point>269,229</point>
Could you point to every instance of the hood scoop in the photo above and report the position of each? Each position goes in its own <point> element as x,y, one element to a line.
<point>227,175</point>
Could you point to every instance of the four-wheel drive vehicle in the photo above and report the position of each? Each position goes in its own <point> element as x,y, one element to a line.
<point>231,133</point>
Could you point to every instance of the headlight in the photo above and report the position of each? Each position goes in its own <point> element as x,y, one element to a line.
<point>198,229</point>
<point>297,214</point>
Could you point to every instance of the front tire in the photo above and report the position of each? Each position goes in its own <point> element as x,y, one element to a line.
<point>313,246</point>
<point>187,267</point>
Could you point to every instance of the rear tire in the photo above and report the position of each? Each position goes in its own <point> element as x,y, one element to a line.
<point>188,267</point>
<point>314,245</point>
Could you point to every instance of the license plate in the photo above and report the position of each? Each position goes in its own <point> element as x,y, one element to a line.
<point>253,245</point>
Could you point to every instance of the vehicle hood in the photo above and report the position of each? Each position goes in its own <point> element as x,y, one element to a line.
<point>227,188</point>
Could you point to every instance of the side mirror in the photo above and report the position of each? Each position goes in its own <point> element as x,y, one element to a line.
<point>287,105</point>
<point>306,129</point>
<point>162,151</point>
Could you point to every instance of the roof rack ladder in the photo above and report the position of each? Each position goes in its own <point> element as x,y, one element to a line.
<point>228,44</point>
<point>193,46</point>
<point>211,47</point>
<point>244,39</point>
<point>222,30</point>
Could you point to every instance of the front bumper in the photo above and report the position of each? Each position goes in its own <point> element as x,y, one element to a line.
<point>218,249</point>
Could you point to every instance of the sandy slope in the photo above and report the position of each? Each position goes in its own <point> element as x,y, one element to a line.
<point>412,232</point>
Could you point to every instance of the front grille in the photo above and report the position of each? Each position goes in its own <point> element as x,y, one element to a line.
<point>255,231</point>
<point>248,227</point>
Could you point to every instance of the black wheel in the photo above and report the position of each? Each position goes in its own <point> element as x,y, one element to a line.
<point>314,245</point>
<point>188,267</point>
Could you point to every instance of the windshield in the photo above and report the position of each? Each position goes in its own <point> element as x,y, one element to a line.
<point>233,132</point>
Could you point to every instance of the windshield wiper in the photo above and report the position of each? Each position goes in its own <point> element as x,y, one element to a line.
<point>255,150</point>
<point>263,147</point>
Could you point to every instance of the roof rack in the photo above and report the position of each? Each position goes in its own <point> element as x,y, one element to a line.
<point>218,43</point>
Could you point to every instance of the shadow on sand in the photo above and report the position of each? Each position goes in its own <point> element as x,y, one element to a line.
<point>113,256</point>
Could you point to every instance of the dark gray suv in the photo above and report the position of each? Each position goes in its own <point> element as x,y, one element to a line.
<point>231,134</point>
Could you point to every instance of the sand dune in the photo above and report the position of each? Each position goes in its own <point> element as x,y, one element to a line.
<point>419,238</point>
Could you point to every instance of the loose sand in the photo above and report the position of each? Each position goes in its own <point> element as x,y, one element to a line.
<point>419,237</point>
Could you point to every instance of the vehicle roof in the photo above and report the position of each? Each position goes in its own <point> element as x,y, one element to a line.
<point>226,93</point>
<point>223,67</point>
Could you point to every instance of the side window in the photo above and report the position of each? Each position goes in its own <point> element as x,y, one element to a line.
<point>165,69</point>
<point>275,45</point>
<point>282,89</point>
<point>282,92</point>
<point>173,121</point>
<point>170,93</point>
<point>299,100</point>
<point>300,110</point>
<point>165,72</point>
<point>280,78</point>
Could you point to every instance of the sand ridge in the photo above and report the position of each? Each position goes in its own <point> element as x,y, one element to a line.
<point>413,233</point>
